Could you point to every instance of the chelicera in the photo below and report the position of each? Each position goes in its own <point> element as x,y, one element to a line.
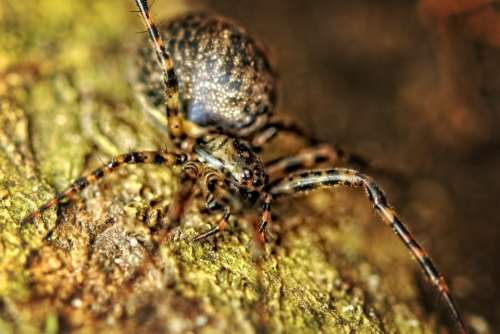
<point>218,91</point>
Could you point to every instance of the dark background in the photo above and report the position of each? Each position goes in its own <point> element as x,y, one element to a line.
<point>414,87</point>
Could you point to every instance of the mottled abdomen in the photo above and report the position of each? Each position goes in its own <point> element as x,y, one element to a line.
<point>225,80</point>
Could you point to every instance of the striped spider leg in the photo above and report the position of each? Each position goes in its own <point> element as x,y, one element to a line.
<point>274,127</point>
<point>187,179</point>
<point>309,180</point>
<point>179,128</point>
<point>175,128</point>
<point>142,157</point>
<point>309,157</point>
<point>305,159</point>
<point>216,198</point>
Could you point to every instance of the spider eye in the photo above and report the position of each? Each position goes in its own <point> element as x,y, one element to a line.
<point>247,174</point>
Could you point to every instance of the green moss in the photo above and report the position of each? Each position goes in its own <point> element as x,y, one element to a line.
<point>66,106</point>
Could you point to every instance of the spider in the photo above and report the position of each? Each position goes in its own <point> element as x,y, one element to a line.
<point>219,92</point>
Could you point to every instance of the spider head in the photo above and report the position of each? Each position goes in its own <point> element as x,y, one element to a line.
<point>235,158</point>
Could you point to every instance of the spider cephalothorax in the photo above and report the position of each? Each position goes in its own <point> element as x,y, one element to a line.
<point>235,159</point>
<point>218,92</point>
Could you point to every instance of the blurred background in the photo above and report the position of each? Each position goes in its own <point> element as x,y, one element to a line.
<point>413,86</point>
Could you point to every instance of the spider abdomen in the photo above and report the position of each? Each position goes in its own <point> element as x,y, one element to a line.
<point>225,80</point>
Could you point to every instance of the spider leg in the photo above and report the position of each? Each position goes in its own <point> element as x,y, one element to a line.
<point>309,158</point>
<point>266,215</point>
<point>316,179</point>
<point>191,171</point>
<point>177,126</point>
<point>305,159</point>
<point>259,259</point>
<point>145,157</point>
<point>273,127</point>
<point>215,200</point>
<point>221,226</point>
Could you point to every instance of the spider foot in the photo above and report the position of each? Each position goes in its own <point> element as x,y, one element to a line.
<point>206,234</point>
<point>221,226</point>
